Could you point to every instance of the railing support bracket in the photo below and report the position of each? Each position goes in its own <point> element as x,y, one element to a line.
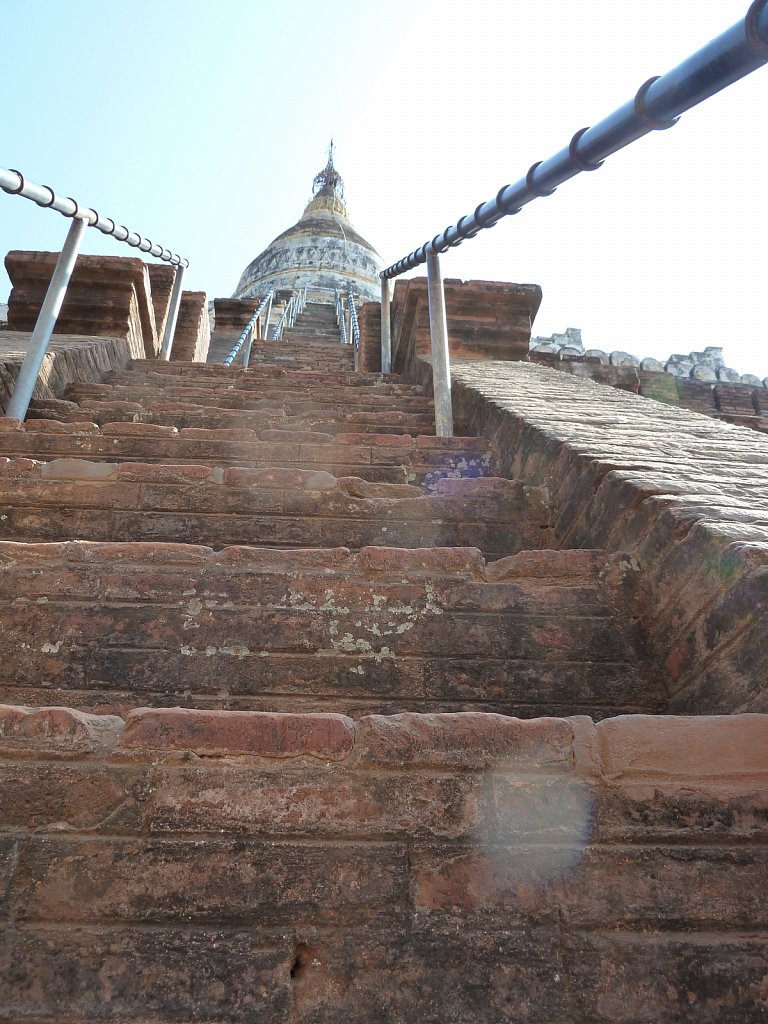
<point>46,321</point>
<point>438,329</point>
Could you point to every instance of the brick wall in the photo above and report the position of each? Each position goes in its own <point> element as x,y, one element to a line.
<point>682,494</point>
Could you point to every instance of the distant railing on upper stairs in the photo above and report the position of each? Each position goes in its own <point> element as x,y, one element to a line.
<point>354,327</point>
<point>341,317</point>
<point>293,307</point>
<point>346,318</point>
<point>254,327</point>
<point>14,183</point>
<point>656,106</point>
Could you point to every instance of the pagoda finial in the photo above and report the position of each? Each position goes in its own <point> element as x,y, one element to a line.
<point>329,182</point>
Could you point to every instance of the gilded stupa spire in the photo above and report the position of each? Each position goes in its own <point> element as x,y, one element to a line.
<point>329,182</point>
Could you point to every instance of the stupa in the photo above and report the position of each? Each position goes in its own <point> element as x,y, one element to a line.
<point>322,252</point>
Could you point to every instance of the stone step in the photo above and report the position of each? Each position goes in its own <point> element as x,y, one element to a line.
<point>204,371</point>
<point>392,458</point>
<point>116,626</point>
<point>252,383</point>
<point>99,501</point>
<point>231,397</point>
<point>189,414</point>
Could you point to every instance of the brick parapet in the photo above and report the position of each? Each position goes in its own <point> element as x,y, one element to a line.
<point>192,337</point>
<point>486,320</point>
<point>369,354</point>
<point>741,404</point>
<point>108,296</point>
<point>682,494</point>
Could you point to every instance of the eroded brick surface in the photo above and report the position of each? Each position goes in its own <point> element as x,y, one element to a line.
<point>484,859</point>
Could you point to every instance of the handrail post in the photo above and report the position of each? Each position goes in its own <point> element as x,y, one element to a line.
<point>46,321</point>
<point>267,315</point>
<point>354,328</point>
<point>441,365</point>
<point>247,346</point>
<point>386,326</point>
<point>173,313</point>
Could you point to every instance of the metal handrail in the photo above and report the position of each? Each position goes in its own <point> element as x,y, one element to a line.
<point>293,307</point>
<point>277,333</point>
<point>14,183</point>
<point>341,319</point>
<point>657,105</point>
<point>354,326</point>
<point>287,317</point>
<point>248,332</point>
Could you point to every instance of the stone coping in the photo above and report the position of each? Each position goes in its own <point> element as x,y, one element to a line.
<point>629,748</point>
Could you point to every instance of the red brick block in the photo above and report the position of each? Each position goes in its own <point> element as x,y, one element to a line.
<point>20,467</point>
<point>407,561</point>
<point>468,740</point>
<point>297,436</point>
<point>283,559</point>
<point>55,732</point>
<point>669,747</point>
<point>223,434</point>
<point>149,472</point>
<point>356,487</point>
<point>43,426</point>
<point>138,430</point>
<point>289,479</point>
<point>78,469</point>
<point>220,733</point>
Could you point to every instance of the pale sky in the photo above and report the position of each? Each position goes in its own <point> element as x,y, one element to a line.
<point>201,125</point>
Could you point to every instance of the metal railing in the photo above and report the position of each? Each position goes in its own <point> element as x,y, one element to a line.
<point>341,317</point>
<point>293,307</point>
<point>656,106</point>
<point>354,327</point>
<point>14,183</point>
<point>245,341</point>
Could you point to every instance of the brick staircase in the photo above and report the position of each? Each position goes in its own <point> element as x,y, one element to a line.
<point>292,539</point>
<point>184,545</point>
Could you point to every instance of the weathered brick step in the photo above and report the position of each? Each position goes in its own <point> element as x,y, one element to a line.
<point>202,372</point>
<point>314,347</point>
<point>364,422</point>
<point>188,414</point>
<point>100,501</point>
<point>392,458</point>
<point>266,385</point>
<point>185,866</point>
<point>295,399</point>
<point>307,351</point>
<point>313,331</point>
<point>382,628</point>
